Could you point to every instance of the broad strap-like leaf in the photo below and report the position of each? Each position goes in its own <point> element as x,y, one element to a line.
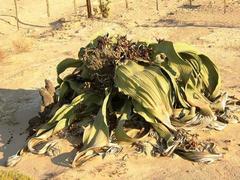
<point>65,64</point>
<point>161,129</point>
<point>67,111</point>
<point>180,67</point>
<point>123,135</point>
<point>149,87</point>
<point>97,134</point>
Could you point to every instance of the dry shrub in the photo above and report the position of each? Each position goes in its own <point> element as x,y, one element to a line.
<point>8,175</point>
<point>2,55</point>
<point>22,44</point>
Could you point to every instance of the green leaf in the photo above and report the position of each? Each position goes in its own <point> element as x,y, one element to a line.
<point>161,129</point>
<point>97,134</point>
<point>67,63</point>
<point>211,76</point>
<point>60,125</point>
<point>182,70</point>
<point>67,110</point>
<point>149,87</point>
<point>120,134</point>
<point>63,90</point>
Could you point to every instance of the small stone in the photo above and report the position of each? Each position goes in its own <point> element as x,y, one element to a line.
<point>125,157</point>
<point>225,148</point>
<point>227,141</point>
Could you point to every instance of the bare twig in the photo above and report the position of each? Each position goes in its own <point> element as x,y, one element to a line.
<point>190,3</point>
<point>126,2</point>
<point>225,6</point>
<point>48,10</point>
<point>157,5</point>
<point>4,20</point>
<point>21,22</point>
<point>75,6</point>
<point>100,5</point>
<point>89,8</point>
<point>16,13</point>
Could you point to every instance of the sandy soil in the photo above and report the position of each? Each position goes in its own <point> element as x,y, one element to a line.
<point>204,26</point>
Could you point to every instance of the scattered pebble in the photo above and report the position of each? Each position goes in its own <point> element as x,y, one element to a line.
<point>125,157</point>
<point>225,148</point>
<point>227,141</point>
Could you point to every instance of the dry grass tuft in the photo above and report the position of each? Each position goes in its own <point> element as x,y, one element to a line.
<point>12,175</point>
<point>2,55</point>
<point>22,44</point>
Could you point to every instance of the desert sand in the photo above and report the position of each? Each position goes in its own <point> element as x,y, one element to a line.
<point>45,43</point>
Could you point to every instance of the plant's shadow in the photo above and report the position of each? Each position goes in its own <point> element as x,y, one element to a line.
<point>188,6</point>
<point>64,159</point>
<point>172,22</point>
<point>17,106</point>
